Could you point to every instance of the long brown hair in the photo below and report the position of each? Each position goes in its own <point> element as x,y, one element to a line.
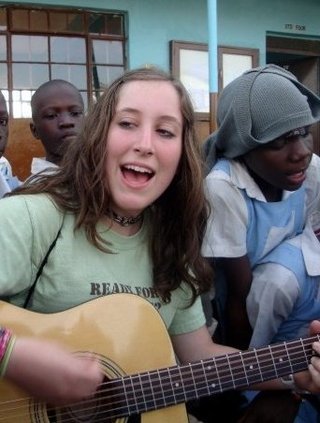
<point>179,215</point>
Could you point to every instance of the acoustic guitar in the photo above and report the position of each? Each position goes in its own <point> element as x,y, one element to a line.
<point>142,382</point>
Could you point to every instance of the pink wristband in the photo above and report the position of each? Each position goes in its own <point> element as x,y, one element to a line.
<point>5,336</point>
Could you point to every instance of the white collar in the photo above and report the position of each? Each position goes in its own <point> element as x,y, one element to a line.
<point>40,163</point>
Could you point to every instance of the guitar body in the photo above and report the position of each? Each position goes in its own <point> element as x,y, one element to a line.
<point>123,330</point>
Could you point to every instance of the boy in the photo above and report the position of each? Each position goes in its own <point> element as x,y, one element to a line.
<point>57,115</point>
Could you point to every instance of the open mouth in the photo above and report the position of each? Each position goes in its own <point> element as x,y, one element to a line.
<point>136,174</point>
<point>297,177</point>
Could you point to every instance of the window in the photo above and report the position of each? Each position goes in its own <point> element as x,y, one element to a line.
<point>234,61</point>
<point>189,62</point>
<point>37,45</point>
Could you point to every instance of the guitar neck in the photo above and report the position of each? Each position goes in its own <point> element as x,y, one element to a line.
<point>177,384</point>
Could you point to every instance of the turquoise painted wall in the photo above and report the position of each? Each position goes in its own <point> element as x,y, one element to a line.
<point>153,23</point>
<point>245,23</point>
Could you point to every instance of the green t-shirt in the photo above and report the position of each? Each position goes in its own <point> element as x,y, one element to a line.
<point>77,271</point>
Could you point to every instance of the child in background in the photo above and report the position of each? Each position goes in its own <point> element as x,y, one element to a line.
<point>57,115</point>
<point>7,181</point>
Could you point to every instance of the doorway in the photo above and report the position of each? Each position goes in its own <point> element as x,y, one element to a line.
<point>302,58</point>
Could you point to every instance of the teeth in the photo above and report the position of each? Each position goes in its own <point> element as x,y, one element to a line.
<point>138,169</point>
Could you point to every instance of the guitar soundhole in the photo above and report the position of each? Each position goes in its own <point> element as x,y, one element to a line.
<point>93,410</point>
<point>90,411</point>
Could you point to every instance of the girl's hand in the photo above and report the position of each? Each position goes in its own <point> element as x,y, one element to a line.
<point>310,380</point>
<point>52,374</point>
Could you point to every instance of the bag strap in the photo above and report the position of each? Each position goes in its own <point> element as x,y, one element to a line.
<point>44,262</point>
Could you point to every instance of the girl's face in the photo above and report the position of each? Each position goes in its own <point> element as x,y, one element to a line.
<point>144,145</point>
<point>281,164</point>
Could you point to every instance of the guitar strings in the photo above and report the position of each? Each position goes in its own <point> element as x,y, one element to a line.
<point>218,377</point>
<point>88,401</point>
<point>220,373</point>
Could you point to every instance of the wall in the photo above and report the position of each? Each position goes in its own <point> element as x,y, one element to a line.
<point>151,24</point>
<point>245,23</point>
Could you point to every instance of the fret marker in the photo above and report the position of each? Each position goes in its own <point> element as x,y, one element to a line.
<point>209,367</point>
<point>281,360</point>
<point>251,367</point>
<point>177,384</point>
<point>213,385</point>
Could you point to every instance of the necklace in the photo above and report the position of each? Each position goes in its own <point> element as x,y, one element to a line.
<point>123,220</point>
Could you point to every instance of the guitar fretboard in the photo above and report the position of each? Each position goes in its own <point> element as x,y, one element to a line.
<point>177,384</point>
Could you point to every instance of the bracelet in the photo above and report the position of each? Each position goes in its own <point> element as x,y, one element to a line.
<point>6,345</point>
<point>5,360</point>
<point>5,335</point>
<point>289,383</point>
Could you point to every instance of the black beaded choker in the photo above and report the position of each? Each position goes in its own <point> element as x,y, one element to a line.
<point>123,220</point>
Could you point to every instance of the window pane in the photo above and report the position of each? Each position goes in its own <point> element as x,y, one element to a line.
<point>107,52</point>
<point>77,75</point>
<point>21,103</point>
<point>29,20</point>
<point>67,49</point>
<point>195,77</point>
<point>29,48</point>
<point>3,47</point>
<point>3,75</point>
<point>21,107</point>
<point>114,24</point>
<point>110,24</point>
<point>38,21</point>
<point>66,22</point>
<point>20,19</point>
<point>26,76</point>
<point>26,109</point>
<point>102,76</point>
<point>26,95</point>
<point>3,19</point>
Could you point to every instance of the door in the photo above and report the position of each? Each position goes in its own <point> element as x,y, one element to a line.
<point>302,58</point>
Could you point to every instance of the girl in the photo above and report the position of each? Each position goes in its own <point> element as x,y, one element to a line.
<point>263,188</point>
